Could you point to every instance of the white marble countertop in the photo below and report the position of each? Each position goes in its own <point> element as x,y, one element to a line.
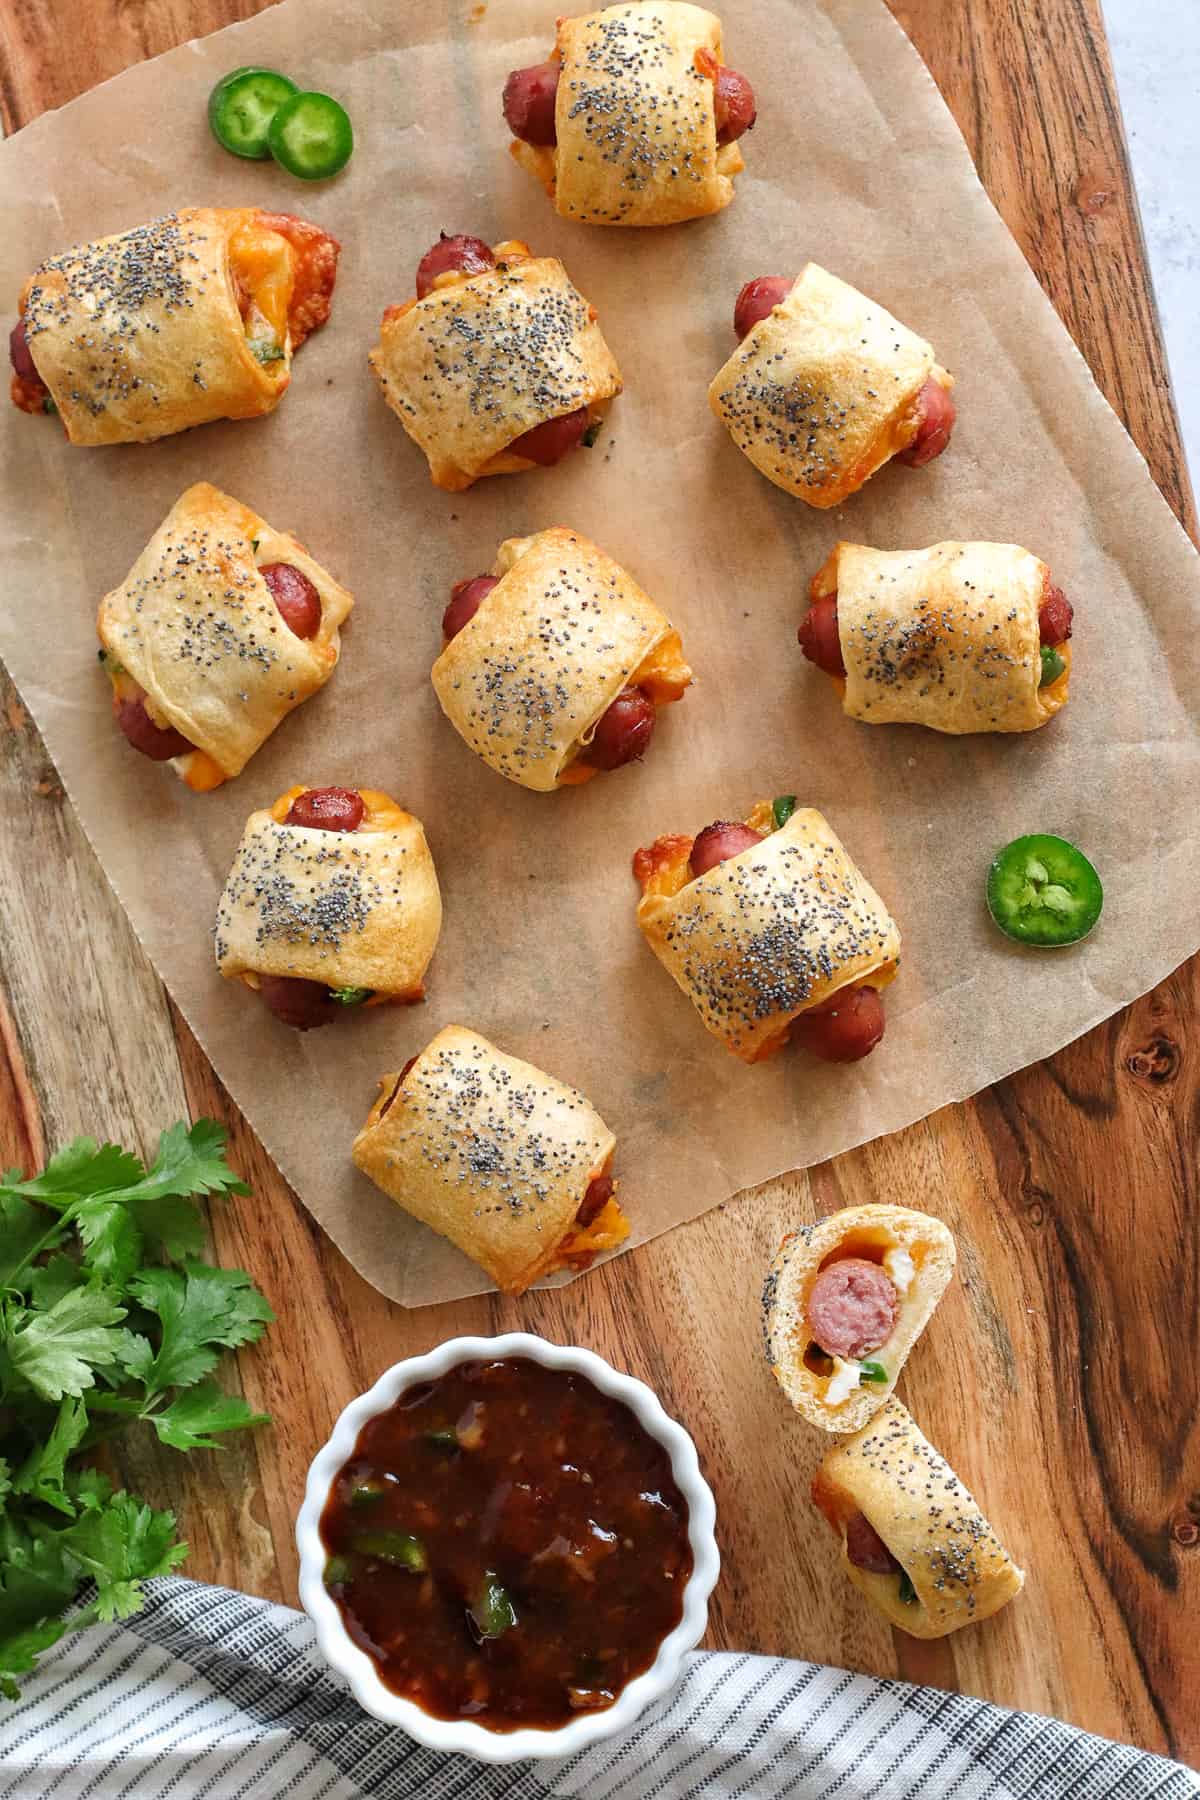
<point>1156,55</point>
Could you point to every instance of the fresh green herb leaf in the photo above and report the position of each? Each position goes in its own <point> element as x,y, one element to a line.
<point>783,807</point>
<point>872,1371</point>
<point>200,1310</point>
<point>43,1472</point>
<point>83,1168</point>
<point>591,434</point>
<point>350,996</point>
<point>908,1592</point>
<point>194,1419</point>
<point>25,1231</point>
<point>264,350</point>
<point>54,1278</point>
<point>58,1352</point>
<point>79,1245</point>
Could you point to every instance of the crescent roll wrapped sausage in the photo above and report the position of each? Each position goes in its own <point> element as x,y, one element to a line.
<point>634,120</point>
<point>959,637</point>
<point>497,366</point>
<point>221,627</point>
<point>332,902</point>
<point>845,1301</point>
<point>502,1159</point>
<point>826,386</point>
<point>771,931</point>
<point>555,665</point>
<point>913,1539</point>
<point>191,318</point>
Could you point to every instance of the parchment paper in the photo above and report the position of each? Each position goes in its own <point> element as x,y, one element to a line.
<point>858,165</point>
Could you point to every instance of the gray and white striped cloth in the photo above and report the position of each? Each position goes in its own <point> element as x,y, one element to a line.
<point>209,1695</point>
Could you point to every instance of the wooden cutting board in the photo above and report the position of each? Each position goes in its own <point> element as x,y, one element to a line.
<point>1061,1374</point>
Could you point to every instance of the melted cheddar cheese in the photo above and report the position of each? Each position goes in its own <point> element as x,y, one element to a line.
<point>264,262</point>
<point>199,772</point>
<point>662,672</point>
<point>582,1243</point>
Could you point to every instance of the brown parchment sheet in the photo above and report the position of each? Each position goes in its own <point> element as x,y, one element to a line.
<point>857,165</point>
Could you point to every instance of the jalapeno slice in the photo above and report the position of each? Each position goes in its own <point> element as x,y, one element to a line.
<point>1042,890</point>
<point>311,136</point>
<point>241,107</point>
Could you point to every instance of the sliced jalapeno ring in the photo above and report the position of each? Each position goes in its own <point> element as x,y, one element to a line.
<point>311,136</point>
<point>400,1548</point>
<point>492,1612</point>
<point>241,107</point>
<point>1042,890</point>
<point>783,807</point>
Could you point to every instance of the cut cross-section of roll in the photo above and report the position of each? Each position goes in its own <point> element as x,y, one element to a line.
<point>913,1539</point>
<point>845,1301</point>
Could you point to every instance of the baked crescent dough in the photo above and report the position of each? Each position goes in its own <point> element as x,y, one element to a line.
<point>195,626</point>
<point>525,682</point>
<point>946,637</point>
<point>915,1251</point>
<point>351,909</point>
<point>775,930</point>
<point>482,359</point>
<point>823,391</point>
<point>494,1154</point>
<point>959,1570</point>
<point>141,334</point>
<point>635,119</point>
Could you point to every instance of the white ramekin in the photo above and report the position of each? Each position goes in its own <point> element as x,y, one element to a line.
<point>342,1654</point>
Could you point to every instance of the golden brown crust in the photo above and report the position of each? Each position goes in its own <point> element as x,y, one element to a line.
<point>946,637</point>
<point>916,1251</point>
<point>823,391</point>
<point>478,362</point>
<point>773,931</point>
<point>140,335</point>
<point>637,138</point>
<point>489,1151</point>
<point>525,682</point>
<point>959,1570</point>
<point>351,909</point>
<point>195,625</point>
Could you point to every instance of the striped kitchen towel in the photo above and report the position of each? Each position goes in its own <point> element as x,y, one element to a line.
<point>209,1695</point>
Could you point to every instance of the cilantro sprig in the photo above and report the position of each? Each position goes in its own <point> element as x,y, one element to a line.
<point>108,1316</point>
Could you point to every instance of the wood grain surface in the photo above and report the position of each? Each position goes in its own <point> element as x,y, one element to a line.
<point>1060,1375</point>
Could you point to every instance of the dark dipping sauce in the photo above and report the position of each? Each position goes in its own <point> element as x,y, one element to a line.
<point>508,1545</point>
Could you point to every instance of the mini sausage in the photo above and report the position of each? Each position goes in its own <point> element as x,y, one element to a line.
<point>819,636</point>
<point>301,1004</point>
<point>757,299</point>
<point>529,101</point>
<point>852,1307</point>
<point>548,443</point>
<point>327,809</point>
<point>624,732</point>
<point>718,842</point>
<point>1055,617</point>
<point>599,1193</point>
<point>159,742</point>
<point>733,104</point>
<point>467,255</point>
<point>936,414</point>
<point>866,1549</point>
<point>466,597</point>
<point>19,353</point>
<point>845,1029</point>
<point>297,599</point>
